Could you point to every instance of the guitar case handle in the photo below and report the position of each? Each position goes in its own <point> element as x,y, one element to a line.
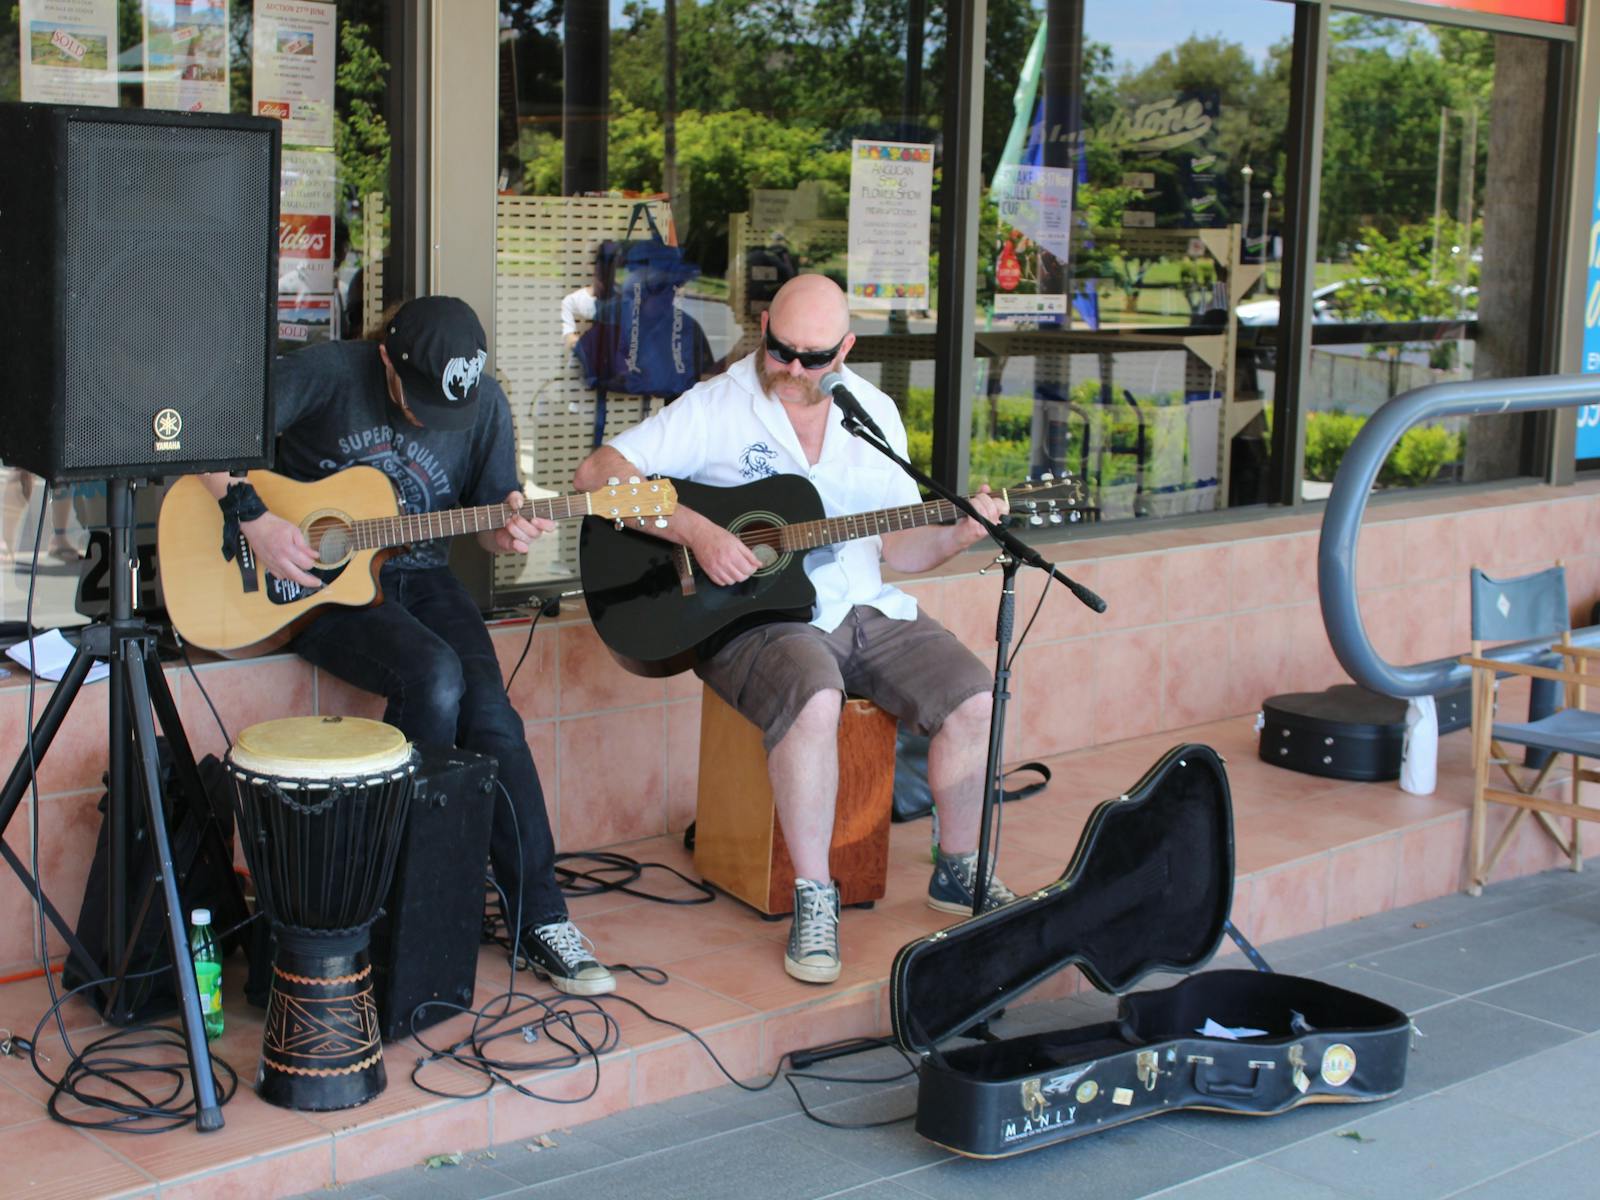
<point>1205,1085</point>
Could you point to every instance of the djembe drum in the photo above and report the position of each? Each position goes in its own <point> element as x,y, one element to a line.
<point>321,803</point>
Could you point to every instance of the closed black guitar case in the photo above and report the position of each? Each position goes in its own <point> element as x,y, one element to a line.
<point>1148,889</point>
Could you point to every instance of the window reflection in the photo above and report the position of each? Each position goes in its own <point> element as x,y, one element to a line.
<point>1426,265</point>
<point>1132,213</point>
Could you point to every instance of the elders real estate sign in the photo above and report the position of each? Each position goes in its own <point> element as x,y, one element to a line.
<point>1532,10</point>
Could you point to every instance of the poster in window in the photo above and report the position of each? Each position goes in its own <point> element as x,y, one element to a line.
<point>305,223</point>
<point>68,51</point>
<point>305,321</point>
<point>891,200</point>
<point>1032,239</point>
<point>186,55</point>
<point>1589,414</point>
<point>293,60</point>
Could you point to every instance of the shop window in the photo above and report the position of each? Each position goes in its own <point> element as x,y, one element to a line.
<point>1131,235</point>
<point>322,68</point>
<point>1427,268</point>
<point>749,134</point>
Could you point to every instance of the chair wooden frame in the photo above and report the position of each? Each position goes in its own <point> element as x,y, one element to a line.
<point>1527,782</point>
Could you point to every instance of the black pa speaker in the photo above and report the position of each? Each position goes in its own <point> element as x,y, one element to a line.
<point>425,945</point>
<point>138,290</point>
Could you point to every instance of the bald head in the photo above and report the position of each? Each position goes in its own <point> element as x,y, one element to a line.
<point>810,312</point>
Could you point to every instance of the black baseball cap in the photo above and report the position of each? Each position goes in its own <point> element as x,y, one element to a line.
<point>437,347</point>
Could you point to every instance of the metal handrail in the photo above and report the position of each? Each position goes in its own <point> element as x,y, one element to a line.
<point>1352,484</point>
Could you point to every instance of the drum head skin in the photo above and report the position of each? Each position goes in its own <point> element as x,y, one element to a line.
<point>311,748</point>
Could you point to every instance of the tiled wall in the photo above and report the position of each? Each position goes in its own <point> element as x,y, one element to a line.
<point>1201,624</point>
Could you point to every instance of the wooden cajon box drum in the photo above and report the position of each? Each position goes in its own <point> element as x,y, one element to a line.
<point>738,845</point>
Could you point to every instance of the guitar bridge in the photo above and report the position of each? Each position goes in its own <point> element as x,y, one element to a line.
<point>245,557</point>
<point>680,560</point>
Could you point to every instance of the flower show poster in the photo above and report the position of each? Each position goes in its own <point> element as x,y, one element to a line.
<point>891,202</point>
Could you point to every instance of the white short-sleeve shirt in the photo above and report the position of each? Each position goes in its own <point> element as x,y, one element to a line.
<point>726,431</point>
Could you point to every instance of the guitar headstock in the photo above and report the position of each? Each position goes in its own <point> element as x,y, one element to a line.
<point>634,499</point>
<point>1050,500</point>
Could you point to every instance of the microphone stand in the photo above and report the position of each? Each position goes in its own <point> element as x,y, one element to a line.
<point>1014,552</point>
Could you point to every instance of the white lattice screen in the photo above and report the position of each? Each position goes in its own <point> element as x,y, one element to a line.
<point>544,249</point>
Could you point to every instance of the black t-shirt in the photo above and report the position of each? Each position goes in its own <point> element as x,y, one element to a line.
<point>333,411</point>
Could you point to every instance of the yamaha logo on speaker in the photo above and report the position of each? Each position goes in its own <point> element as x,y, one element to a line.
<point>168,424</point>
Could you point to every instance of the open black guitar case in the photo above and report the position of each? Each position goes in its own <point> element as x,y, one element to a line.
<point>1148,889</point>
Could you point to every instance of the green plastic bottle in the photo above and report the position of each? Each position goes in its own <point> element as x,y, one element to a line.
<point>207,971</point>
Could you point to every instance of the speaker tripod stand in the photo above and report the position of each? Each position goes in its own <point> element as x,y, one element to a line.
<point>136,686</point>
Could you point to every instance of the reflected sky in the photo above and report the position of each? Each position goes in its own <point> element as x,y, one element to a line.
<point>1138,30</point>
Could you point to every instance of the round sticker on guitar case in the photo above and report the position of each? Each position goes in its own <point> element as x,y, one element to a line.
<point>1338,1064</point>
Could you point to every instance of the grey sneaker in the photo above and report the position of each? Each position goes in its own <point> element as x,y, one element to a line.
<point>561,954</point>
<point>813,953</point>
<point>950,889</point>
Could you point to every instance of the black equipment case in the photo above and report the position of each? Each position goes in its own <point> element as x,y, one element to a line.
<point>1348,732</point>
<point>1148,889</point>
<point>1345,732</point>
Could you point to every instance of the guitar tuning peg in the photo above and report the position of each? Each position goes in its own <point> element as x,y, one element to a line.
<point>633,479</point>
<point>1055,517</point>
<point>619,524</point>
<point>1046,477</point>
<point>1035,520</point>
<point>613,481</point>
<point>661,522</point>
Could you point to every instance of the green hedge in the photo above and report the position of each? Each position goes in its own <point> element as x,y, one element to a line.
<point>1418,457</point>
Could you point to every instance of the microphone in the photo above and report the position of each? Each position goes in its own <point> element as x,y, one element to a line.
<point>834,384</point>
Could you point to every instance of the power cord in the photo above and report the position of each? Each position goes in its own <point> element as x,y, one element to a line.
<point>117,1058</point>
<point>550,606</point>
<point>614,872</point>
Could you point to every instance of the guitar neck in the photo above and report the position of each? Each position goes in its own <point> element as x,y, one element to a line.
<point>378,533</point>
<point>808,535</point>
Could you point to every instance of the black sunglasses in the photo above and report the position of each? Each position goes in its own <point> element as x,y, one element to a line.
<point>811,360</point>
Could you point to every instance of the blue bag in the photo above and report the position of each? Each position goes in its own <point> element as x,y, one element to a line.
<point>642,343</point>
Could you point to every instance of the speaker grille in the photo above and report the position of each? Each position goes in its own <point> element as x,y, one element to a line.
<point>167,270</point>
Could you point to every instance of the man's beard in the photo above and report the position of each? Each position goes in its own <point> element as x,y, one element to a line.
<point>780,385</point>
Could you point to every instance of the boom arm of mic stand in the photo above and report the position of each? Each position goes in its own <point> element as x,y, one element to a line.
<point>1009,542</point>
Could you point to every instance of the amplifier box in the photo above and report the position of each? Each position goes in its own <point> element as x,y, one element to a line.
<point>425,946</point>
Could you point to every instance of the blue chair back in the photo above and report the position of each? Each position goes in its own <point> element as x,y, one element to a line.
<point>1514,610</point>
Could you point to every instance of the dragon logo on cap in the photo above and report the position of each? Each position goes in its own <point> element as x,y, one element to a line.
<point>461,375</point>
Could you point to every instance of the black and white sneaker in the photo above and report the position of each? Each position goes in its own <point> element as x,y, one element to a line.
<point>562,955</point>
<point>950,889</point>
<point>813,952</point>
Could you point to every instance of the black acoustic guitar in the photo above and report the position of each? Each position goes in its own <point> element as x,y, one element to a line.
<point>658,613</point>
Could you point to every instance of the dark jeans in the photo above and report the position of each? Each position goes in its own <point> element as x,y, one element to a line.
<point>426,651</point>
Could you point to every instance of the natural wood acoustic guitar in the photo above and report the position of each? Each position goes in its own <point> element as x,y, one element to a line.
<point>353,521</point>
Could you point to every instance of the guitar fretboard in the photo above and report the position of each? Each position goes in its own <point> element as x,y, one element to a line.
<point>378,533</point>
<point>810,534</point>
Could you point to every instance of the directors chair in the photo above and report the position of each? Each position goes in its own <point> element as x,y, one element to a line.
<point>1521,609</point>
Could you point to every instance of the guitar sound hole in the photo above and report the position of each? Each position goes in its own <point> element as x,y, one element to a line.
<point>750,527</point>
<point>331,541</point>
